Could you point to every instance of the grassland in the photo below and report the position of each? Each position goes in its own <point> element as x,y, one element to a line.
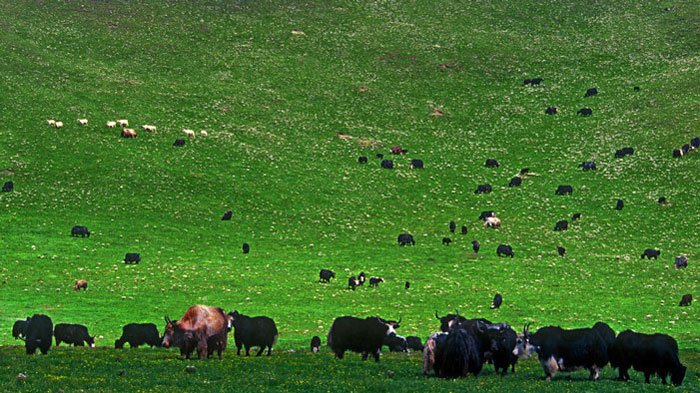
<point>273,102</point>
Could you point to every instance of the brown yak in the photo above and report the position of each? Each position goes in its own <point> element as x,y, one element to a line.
<point>80,284</point>
<point>202,328</point>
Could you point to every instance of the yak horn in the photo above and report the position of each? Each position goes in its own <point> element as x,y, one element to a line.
<point>399,322</point>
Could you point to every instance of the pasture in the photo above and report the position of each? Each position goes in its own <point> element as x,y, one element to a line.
<point>273,84</point>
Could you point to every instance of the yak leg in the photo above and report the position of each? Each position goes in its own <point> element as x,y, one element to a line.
<point>247,349</point>
<point>262,348</point>
<point>594,374</point>
<point>339,354</point>
<point>376,355</point>
<point>202,350</point>
<point>364,355</point>
<point>646,377</point>
<point>269,350</point>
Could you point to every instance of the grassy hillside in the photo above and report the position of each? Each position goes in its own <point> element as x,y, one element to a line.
<point>273,102</point>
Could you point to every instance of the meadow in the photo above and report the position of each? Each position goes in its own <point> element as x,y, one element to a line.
<point>273,84</point>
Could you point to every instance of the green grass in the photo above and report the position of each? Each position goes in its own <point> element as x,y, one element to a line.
<point>273,101</point>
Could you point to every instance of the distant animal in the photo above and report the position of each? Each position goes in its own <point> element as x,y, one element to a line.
<point>588,166</point>
<point>585,112</point>
<point>465,230</point>
<point>398,150</point>
<point>486,214</point>
<point>39,333</point>
<point>619,205</point>
<point>625,151</point>
<point>227,216</point>
<point>365,336</point>
<point>71,333</point>
<point>524,171</point>
<point>83,122</point>
<point>591,92</point>
<point>636,88</point>
<point>253,332</point>
<point>497,301</point>
<point>686,148</point>
<point>58,124</point>
<point>201,328</point>
<point>650,253</point>
<point>380,156</point>
<point>533,81</point>
<point>551,110</point>
<point>315,344</point>
<point>416,164</point>
<point>361,278</point>
<point>189,133</point>
<point>374,281</point>
<point>505,250</point>
<point>677,153</point>
<point>361,160</point>
<point>179,142</point>
<point>8,186</point>
<point>561,225</point>
<point>406,239</point>
<point>680,262</point>
<point>576,217</point>
<point>246,248</point>
<point>136,334</point>
<point>149,128</point>
<point>132,258</point>
<point>515,182</point>
<point>446,241</point>
<point>695,142</point>
<point>111,124</point>
<point>492,163</point>
<point>476,246</point>
<point>565,349</point>
<point>648,353</point>
<point>387,164</point>
<point>325,275</point>
<point>661,201</point>
<point>128,133</point>
<point>407,285</point>
<point>564,190</point>
<point>353,283</point>
<point>561,251</point>
<point>453,226</point>
<point>414,343</point>
<point>483,189</point>
<point>51,122</point>
<point>80,231</point>
<point>19,329</point>
<point>123,123</point>
<point>203,133</point>
<point>80,284</point>
<point>492,222</point>
<point>686,300</point>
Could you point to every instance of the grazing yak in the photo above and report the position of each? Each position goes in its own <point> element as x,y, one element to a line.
<point>695,142</point>
<point>396,343</point>
<point>585,112</point>
<point>561,251</point>
<point>686,148</point>
<point>398,150</point>
<point>179,142</point>
<point>524,171</point>
<point>680,262</point>
<point>576,217</point>
<point>227,216</point>
<point>562,225</point>
<point>492,222</point>
<point>447,320</point>
<point>505,250</point>
<point>406,239</point>
<point>353,283</point>
<point>416,164</point>
<point>71,333</point>
<point>465,230</point>
<point>315,344</point>
<point>455,354</point>
<point>476,246</point>
<point>362,160</point>
<point>677,153</point>
<point>374,282</point>
<point>132,258</point>
<point>387,164</point>
<point>8,186</point>
<point>564,190</point>
<point>407,285</point>
<point>533,81</point>
<point>686,300</point>
<point>453,226</point>
<point>565,349</point>
<point>588,166</point>
<point>129,133</point>
<point>483,189</point>
<point>497,301</point>
<point>361,278</point>
<point>625,151</point>
<point>38,334</point>
<point>379,156</point>
<point>365,336</point>
<point>650,253</point>
<point>201,328</point>
<point>648,353</point>
<point>661,201</point>
<point>551,110</point>
<point>137,334</point>
<point>246,248</point>
<point>620,204</point>
<point>492,163</point>
<point>80,284</point>
<point>19,329</point>
<point>325,275</point>
<point>486,214</point>
<point>79,231</point>
<point>591,92</point>
<point>515,182</point>
<point>414,343</point>
<point>446,241</point>
<point>253,332</point>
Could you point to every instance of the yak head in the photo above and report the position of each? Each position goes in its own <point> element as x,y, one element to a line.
<point>171,328</point>
<point>678,375</point>
<point>234,318</point>
<point>91,341</point>
<point>393,325</point>
<point>523,347</point>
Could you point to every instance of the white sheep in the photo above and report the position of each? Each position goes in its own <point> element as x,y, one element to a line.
<point>492,222</point>
<point>123,123</point>
<point>51,122</point>
<point>83,122</point>
<point>111,124</point>
<point>58,124</point>
<point>148,128</point>
<point>203,133</point>
<point>189,133</point>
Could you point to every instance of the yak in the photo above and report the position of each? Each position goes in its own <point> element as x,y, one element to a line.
<point>71,333</point>
<point>137,334</point>
<point>505,250</point>
<point>406,239</point>
<point>325,275</point>
<point>201,328</point>
<point>38,334</point>
<point>132,258</point>
<point>253,332</point>
<point>564,190</point>
<point>365,336</point>
<point>362,160</point>
<point>79,231</point>
<point>648,353</point>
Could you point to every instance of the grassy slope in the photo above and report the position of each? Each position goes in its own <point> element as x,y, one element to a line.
<point>273,102</point>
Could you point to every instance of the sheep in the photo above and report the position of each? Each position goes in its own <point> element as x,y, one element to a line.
<point>58,124</point>
<point>111,124</point>
<point>189,133</point>
<point>492,222</point>
<point>203,133</point>
<point>123,123</point>
<point>51,122</point>
<point>148,128</point>
<point>83,122</point>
